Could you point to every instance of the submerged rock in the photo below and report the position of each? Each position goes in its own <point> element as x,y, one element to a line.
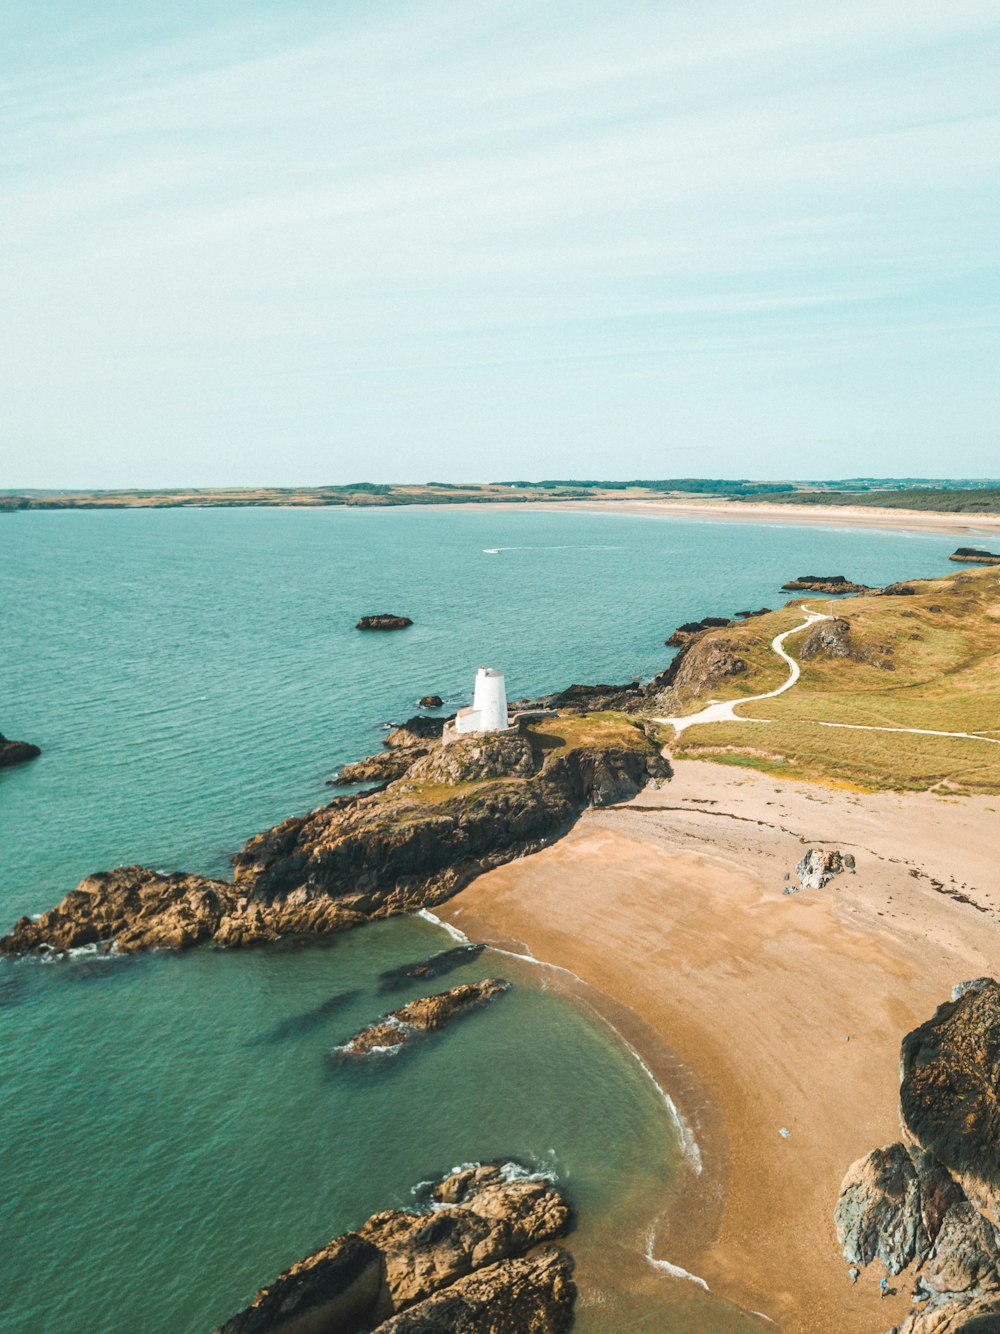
<point>462,1267</point>
<point>932,1200</point>
<point>16,752</point>
<point>401,1027</point>
<point>445,961</point>
<point>383,621</point>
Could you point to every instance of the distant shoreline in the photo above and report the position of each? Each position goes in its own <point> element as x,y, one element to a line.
<point>829,516</point>
<point>954,522</point>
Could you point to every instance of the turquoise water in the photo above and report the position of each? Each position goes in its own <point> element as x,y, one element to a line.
<point>171,1132</point>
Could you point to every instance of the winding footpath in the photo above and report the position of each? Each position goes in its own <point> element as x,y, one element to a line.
<point>725,711</point>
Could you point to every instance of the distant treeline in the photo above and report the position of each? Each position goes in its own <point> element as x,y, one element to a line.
<point>954,500</point>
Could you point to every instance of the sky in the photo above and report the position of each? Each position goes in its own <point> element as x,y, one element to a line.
<point>305,243</point>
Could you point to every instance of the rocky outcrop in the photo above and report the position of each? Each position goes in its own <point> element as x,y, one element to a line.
<point>975,556</point>
<point>400,1028</point>
<point>405,846</point>
<point>16,752</point>
<point>833,639</point>
<point>469,1265</point>
<point>897,591</point>
<point>817,868</point>
<point>823,583</point>
<point>702,665</point>
<point>381,768</point>
<point>383,621</point>
<point>416,731</point>
<point>133,907</point>
<point>931,1199</point>
<point>430,702</point>
<point>445,961</point>
<point>691,629</point>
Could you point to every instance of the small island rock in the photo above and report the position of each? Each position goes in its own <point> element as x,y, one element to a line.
<point>383,621</point>
<point>16,752</point>
<point>401,1027</point>
<point>430,702</point>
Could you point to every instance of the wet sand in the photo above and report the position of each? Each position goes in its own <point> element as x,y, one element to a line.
<point>786,1011</point>
<point>982,526</point>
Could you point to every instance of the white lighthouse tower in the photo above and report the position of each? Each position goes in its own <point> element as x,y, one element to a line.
<point>489,705</point>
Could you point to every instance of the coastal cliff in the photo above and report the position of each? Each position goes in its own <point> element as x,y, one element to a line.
<point>454,812</point>
<point>478,1262</point>
<point>931,1199</point>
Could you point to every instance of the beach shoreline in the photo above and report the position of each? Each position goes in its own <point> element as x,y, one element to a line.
<point>786,1009</point>
<point>829,516</point>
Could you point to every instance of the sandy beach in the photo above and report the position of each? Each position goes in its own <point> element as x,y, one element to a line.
<point>785,1010</point>
<point>835,516</point>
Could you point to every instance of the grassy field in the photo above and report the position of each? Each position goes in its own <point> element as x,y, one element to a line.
<point>940,651</point>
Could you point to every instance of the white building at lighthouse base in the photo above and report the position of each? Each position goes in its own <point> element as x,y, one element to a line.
<point>489,705</point>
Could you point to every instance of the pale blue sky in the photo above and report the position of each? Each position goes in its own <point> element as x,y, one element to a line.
<point>305,243</point>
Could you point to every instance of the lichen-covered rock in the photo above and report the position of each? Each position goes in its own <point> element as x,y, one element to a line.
<point>534,1295</point>
<point>878,1213</point>
<point>461,1267</point>
<point>830,639</point>
<point>933,1200</point>
<point>949,1091</point>
<point>400,1027</point>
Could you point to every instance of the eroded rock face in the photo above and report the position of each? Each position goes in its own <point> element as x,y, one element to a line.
<point>932,1200</point>
<point>949,1091</point>
<point>702,665</point>
<point>461,1267</point>
<point>16,752</point>
<point>400,1028</point>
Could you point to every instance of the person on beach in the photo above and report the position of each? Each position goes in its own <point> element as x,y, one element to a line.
<point>883,1288</point>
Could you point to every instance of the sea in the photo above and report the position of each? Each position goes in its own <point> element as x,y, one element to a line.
<point>173,1132</point>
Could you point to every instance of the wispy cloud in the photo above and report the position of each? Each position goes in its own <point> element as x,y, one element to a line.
<point>413,228</point>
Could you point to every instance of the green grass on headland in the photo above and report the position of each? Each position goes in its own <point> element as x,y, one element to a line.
<point>943,647</point>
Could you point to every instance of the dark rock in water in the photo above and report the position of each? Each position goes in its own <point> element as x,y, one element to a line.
<point>446,961</point>
<point>335,1288</point>
<point>748,615</point>
<point>691,629</point>
<point>304,1022</point>
<point>817,868</point>
<point>430,702</point>
<point>823,583</point>
<point>933,1200</point>
<point>16,752</point>
<point>975,555</point>
<point>383,621</point>
<point>401,1027</point>
<point>463,1267</point>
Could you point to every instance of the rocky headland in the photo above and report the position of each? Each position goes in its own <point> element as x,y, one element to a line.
<point>930,1200</point>
<point>823,583</point>
<point>451,813</point>
<point>400,1028</point>
<point>383,621</point>
<point>16,752</point>
<point>480,1260</point>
